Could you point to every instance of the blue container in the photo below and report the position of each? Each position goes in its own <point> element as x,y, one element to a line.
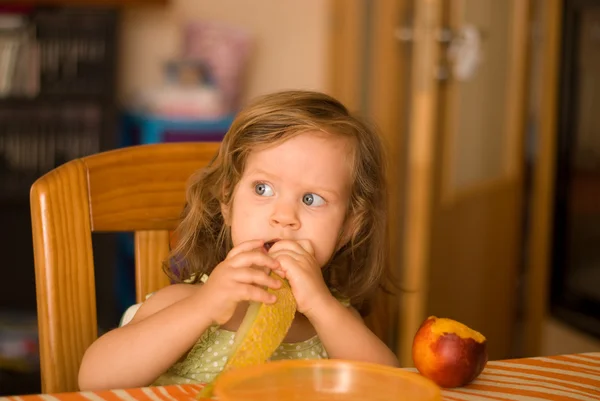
<point>143,128</point>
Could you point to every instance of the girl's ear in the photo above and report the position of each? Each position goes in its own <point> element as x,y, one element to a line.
<point>226,214</point>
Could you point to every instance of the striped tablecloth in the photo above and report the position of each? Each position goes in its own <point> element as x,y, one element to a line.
<point>564,377</point>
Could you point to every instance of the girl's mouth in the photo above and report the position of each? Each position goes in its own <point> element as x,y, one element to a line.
<point>269,244</point>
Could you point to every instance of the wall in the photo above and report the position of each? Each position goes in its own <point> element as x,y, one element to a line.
<point>559,338</point>
<point>291,48</point>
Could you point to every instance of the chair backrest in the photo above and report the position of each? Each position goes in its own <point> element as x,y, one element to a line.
<point>137,189</point>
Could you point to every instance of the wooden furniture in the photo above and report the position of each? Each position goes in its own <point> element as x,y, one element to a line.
<point>562,377</point>
<point>139,188</point>
<point>106,3</point>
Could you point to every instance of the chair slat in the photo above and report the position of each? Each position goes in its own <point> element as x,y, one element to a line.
<point>151,248</point>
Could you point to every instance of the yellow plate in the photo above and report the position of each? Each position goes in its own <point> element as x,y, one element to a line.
<point>324,379</point>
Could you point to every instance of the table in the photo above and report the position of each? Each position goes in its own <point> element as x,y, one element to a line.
<point>573,377</point>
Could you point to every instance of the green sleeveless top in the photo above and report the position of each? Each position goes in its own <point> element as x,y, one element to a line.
<point>206,359</point>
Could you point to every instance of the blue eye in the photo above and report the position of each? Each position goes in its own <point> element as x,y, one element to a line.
<point>263,189</point>
<point>313,200</point>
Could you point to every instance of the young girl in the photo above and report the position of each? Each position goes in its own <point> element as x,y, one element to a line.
<point>297,187</point>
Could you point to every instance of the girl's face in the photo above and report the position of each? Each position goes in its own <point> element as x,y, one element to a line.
<point>297,190</point>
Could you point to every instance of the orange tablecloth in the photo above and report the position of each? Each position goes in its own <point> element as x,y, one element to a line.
<point>565,377</point>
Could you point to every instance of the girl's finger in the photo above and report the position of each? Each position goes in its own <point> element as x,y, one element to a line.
<point>280,273</point>
<point>276,255</point>
<point>257,258</point>
<point>288,264</point>
<point>249,275</point>
<point>248,292</point>
<point>307,246</point>
<point>245,247</point>
<point>263,268</point>
<point>287,244</point>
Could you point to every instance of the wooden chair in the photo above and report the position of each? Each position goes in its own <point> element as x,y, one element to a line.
<point>140,189</point>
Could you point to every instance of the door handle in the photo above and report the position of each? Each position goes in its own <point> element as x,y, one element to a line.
<point>463,50</point>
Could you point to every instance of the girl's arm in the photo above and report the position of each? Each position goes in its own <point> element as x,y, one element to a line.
<point>169,323</point>
<point>345,336</point>
<point>342,332</point>
<point>164,328</point>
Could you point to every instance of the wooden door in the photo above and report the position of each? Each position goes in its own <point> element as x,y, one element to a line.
<point>463,230</point>
<point>370,72</point>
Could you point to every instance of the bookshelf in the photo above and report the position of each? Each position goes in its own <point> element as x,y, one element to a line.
<point>57,103</point>
<point>110,3</point>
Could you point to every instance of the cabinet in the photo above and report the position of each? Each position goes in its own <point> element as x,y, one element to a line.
<point>115,3</point>
<point>575,275</point>
<point>57,103</point>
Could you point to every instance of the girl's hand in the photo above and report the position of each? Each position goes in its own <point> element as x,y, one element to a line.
<point>239,278</point>
<point>299,266</point>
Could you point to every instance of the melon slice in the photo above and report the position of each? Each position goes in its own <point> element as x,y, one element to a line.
<point>262,330</point>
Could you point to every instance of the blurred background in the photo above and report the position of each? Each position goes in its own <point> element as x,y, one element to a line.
<point>489,110</point>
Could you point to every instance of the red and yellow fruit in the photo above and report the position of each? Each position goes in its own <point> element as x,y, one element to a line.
<point>449,352</point>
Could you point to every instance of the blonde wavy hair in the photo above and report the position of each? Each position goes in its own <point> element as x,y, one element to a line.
<point>358,266</point>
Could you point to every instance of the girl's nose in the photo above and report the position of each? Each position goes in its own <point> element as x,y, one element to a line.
<point>285,215</point>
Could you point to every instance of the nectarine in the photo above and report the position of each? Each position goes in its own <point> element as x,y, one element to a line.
<point>448,352</point>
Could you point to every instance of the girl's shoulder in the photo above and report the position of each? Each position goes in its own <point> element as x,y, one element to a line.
<point>156,301</point>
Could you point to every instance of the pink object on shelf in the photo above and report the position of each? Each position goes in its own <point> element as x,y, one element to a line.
<point>225,50</point>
